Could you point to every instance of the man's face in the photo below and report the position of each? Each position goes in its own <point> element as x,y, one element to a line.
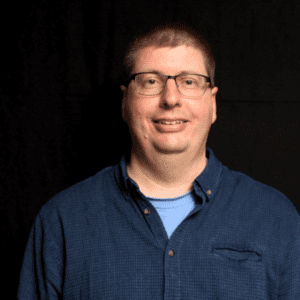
<point>141,111</point>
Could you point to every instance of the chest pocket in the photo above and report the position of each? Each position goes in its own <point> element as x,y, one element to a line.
<point>238,253</point>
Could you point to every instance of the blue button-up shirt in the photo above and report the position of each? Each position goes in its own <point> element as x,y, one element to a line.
<point>234,238</point>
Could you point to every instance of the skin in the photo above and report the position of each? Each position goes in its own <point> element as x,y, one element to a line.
<point>165,165</point>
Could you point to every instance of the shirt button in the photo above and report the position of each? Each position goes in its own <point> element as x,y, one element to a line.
<point>147,211</point>
<point>171,253</point>
<point>208,192</point>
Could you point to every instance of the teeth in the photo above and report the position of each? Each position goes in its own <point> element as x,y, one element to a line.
<point>171,123</point>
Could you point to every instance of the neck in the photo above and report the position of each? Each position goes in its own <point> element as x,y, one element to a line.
<point>166,174</point>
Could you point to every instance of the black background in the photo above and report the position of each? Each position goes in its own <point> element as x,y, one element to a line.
<point>60,110</point>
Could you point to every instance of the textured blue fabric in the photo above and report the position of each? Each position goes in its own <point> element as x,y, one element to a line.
<point>103,239</point>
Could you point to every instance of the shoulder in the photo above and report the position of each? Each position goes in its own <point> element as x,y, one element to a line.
<point>81,196</point>
<point>250,192</point>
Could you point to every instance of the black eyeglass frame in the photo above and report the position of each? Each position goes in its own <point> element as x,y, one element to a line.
<point>126,83</point>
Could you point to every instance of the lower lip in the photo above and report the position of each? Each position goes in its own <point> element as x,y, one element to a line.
<point>170,128</point>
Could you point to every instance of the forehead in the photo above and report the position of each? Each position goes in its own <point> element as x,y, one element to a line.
<point>170,61</point>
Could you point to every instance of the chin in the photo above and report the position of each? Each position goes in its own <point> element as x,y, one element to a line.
<point>170,149</point>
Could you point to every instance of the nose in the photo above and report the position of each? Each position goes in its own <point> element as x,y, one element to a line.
<point>171,95</point>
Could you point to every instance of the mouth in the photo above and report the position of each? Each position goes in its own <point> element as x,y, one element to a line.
<point>170,122</point>
<point>164,126</point>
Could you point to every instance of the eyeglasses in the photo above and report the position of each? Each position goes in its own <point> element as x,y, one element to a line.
<point>190,85</point>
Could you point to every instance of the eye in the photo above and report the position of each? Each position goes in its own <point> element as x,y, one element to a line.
<point>151,81</point>
<point>189,82</point>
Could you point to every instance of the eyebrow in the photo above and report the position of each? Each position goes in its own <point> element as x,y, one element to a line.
<point>181,73</point>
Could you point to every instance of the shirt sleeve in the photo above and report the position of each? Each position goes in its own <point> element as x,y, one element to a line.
<point>289,274</point>
<point>40,276</point>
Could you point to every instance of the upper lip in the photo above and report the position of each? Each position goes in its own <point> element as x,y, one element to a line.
<point>169,120</point>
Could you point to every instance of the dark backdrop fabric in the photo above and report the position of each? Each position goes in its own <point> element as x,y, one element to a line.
<point>61,68</point>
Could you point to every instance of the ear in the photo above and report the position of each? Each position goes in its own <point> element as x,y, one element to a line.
<point>214,103</point>
<point>123,108</point>
<point>123,88</point>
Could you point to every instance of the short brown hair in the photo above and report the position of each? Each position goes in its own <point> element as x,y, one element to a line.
<point>170,35</point>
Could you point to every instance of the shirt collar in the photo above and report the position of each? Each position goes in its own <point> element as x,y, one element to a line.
<point>208,180</point>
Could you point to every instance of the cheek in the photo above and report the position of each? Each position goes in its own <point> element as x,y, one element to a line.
<point>201,113</point>
<point>138,119</point>
<point>203,117</point>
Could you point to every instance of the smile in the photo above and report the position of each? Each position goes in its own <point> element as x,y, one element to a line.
<point>174,126</point>
<point>170,122</point>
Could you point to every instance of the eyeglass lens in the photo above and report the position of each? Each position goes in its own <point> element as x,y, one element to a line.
<point>153,84</point>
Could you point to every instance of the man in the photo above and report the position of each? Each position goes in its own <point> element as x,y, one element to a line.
<point>171,222</point>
